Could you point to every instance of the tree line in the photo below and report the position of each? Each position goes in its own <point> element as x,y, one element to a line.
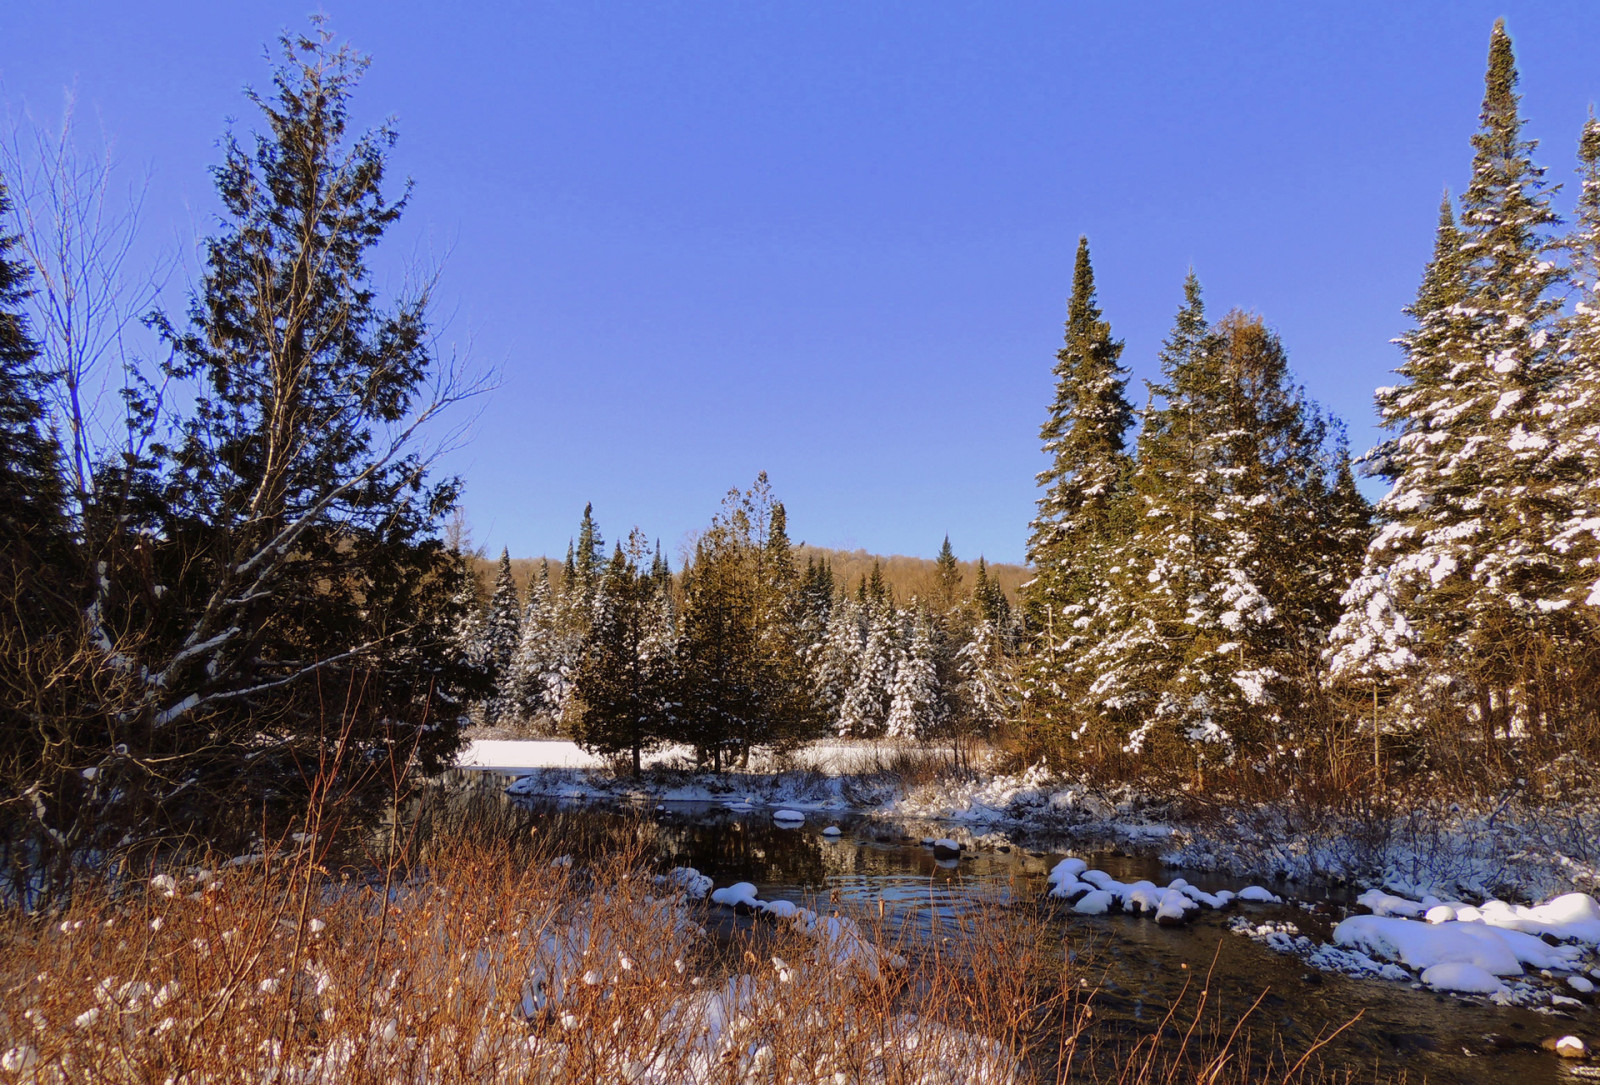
<point>1223,594</point>
<point>743,649</point>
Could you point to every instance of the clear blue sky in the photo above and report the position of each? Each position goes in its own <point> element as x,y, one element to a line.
<point>833,240</point>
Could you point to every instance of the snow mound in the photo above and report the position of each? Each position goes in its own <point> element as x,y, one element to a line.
<point>1422,945</point>
<point>737,893</point>
<point>831,830</point>
<point>787,815</point>
<point>1094,902</point>
<point>1257,895</point>
<point>1466,979</point>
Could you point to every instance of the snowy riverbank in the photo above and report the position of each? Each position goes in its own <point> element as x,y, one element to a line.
<point>1452,851</point>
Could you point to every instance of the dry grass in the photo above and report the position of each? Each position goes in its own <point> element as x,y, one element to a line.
<point>484,954</point>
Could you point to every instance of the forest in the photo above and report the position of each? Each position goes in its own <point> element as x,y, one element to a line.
<point>257,574</point>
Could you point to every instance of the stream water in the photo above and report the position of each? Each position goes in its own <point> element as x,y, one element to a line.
<point>1401,1032</point>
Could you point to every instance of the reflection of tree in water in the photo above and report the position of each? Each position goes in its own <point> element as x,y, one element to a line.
<point>752,849</point>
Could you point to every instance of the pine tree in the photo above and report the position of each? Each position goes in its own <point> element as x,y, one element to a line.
<point>946,579</point>
<point>1084,436</point>
<point>591,560</point>
<point>616,709</point>
<point>917,708</point>
<point>289,522</point>
<point>1463,557</point>
<point>1215,615</point>
<point>535,666</point>
<point>31,519</point>
<point>1575,409</point>
<point>501,632</point>
<point>47,736</point>
<point>864,710</point>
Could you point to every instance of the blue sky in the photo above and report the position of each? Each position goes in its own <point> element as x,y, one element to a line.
<point>833,241</point>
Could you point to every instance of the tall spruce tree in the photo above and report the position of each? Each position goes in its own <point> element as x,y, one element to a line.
<point>1463,558</point>
<point>1084,436</point>
<point>1215,612</point>
<point>501,632</point>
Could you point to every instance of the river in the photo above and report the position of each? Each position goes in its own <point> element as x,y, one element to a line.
<point>1141,968</point>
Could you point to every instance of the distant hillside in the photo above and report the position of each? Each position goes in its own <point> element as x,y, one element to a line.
<point>908,576</point>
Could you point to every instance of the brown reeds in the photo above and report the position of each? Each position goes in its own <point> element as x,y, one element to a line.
<point>514,948</point>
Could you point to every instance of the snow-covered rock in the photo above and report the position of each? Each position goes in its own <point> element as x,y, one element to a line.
<point>1094,902</point>
<point>1422,945</point>
<point>1257,895</point>
<point>1462,978</point>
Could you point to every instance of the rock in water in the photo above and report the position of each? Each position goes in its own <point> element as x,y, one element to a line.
<point>1568,1047</point>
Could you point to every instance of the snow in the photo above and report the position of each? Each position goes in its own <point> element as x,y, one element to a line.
<point>737,893</point>
<point>1581,984</point>
<point>1094,902</point>
<point>831,830</point>
<point>1254,894</point>
<point>1462,979</point>
<point>787,815</point>
<point>1423,945</point>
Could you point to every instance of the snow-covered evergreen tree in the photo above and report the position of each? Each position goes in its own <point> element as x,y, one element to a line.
<point>917,707</point>
<point>500,634</point>
<point>1463,558</point>
<point>864,710</point>
<point>1216,608</point>
<point>536,682</point>
<point>1077,520</point>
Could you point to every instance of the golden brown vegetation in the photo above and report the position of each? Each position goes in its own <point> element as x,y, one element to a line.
<point>486,954</point>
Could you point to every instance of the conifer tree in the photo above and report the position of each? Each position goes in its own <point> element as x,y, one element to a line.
<point>1084,436</point>
<point>501,632</point>
<point>1575,413</point>
<point>535,666</point>
<point>616,709</point>
<point>946,579</point>
<point>1463,557</point>
<point>917,708</point>
<point>590,557</point>
<point>1216,614</point>
<point>298,532</point>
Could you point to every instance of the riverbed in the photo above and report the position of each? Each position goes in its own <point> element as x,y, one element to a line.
<point>1389,1029</point>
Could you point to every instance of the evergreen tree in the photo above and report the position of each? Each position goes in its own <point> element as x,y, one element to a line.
<point>917,706</point>
<point>946,579</point>
<point>616,711</point>
<point>47,737</point>
<point>1084,436</point>
<point>1464,554</point>
<point>864,711</point>
<point>1217,613</point>
<point>535,667</point>
<point>285,545</point>
<point>591,560</point>
<point>501,632</point>
<point>1575,414</point>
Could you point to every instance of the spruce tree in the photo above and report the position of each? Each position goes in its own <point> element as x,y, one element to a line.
<point>946,578</point>
<point>1084,436</point>
<point>1575,417</point>
<point>616,712</point>
<point>1216,612</point>
<point>501,632</point>
<point>1463,557</point>
<point>917,708</point>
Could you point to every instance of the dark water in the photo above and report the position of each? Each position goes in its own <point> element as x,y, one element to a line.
<point>1141,968</point>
